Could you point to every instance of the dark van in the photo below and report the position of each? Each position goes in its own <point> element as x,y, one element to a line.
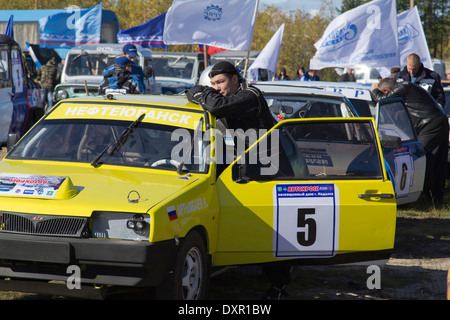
<point>20,100</point>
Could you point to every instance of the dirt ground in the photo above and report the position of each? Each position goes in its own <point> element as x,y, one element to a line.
<point>417,270</point>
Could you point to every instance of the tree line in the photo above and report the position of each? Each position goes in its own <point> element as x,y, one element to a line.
<point>301,31</point>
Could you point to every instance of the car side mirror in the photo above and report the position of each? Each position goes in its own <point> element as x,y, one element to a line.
<point>391,142</point>
<point>12,140</point>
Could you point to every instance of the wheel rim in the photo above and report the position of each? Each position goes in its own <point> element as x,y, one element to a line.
<point>192,279</point>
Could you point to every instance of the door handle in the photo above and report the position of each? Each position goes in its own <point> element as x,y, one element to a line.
<point>376,195</point>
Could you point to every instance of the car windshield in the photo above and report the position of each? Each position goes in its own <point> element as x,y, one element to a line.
<point>82,140</point>
<point>307,106</point>
<point>173,67</point>
<point>93,64</point>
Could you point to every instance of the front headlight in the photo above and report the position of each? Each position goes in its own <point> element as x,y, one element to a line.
<point>121,225</point>
<point>61,95</point>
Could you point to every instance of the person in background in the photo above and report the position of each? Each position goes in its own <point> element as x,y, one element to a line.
<point>394,72</point>
<point>48,80</point>
<point>283,75</point>
<point>432,129</point>
<point>347,76</point>
<point>415,72</point>
<point>130,51</point>
<point>311,75</point>
<point>121,78</point>
<point>300,74</point>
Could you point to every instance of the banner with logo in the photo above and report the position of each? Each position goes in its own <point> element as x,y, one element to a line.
<point>71,28</point>
<point>364,35</point>
<point>148,34</point>
<point>411,38</point>
<point>268,58</point>
<point>225,24</point>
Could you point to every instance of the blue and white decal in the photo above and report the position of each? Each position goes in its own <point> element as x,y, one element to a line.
<point>306,220</point>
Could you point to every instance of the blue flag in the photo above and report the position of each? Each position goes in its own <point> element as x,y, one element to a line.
<point>148,34</point>
<point>9,27</point>
<point>71,28</point>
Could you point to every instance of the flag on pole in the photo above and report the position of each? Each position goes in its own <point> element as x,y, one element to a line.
<point>411,38</point>
<point>210,49</point>
<point>268,58</point>
<point>365,35</point>
<point>148,34</point>
<point>71,28</point>
<point>33,56</point>
<point>9,27</point>
<point>225,24</point>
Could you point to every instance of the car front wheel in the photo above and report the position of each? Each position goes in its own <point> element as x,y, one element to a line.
<point>189,277</point>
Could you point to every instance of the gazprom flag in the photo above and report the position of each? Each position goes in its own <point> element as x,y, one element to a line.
<point>71,28</point>
<point>9,31</point>
<point>411,38</point>
<point>268,58</point>
<point>365,35</point>
<point>148,34</point>
<point>225,24</point>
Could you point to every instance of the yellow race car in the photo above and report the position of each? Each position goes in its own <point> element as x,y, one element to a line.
<point>151,191</point>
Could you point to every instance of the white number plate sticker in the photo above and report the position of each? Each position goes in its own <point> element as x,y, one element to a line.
<point>306,220</point>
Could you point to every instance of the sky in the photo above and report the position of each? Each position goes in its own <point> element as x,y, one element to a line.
<point>310,6</point>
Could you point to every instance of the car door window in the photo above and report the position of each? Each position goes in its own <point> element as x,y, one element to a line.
<point>394,120</point>
<point>318,150</point>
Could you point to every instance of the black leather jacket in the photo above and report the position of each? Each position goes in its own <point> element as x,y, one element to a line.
<point>428,79</point>
<point>422,107</point>
<point>245,109</point>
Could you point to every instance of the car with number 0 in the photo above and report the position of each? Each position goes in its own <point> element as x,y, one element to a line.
<point>136,191</point>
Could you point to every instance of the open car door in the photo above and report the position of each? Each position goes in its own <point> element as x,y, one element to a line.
<point>320,195</point>
<point>407,163</point>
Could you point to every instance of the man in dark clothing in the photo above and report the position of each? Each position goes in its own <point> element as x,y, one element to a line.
<point>416,73</point>
<point>121,78</point>
<point>347,76</point>
<point>240,106</point>
<point>231,99</point>
<point>48,80</point>
<point>130,51</point>
<point>432,128</point>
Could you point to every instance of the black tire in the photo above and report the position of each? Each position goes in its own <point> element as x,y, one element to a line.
<point>189,277</point>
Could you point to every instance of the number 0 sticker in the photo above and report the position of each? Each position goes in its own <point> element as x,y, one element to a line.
<point>306,220</point>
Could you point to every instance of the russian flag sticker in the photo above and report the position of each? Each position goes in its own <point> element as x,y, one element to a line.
<point>172,213</point>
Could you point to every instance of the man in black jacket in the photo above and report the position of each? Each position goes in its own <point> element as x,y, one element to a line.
<point>231,99</point>
<point>240,106</point>
<point>432,128</point>
<point>416,73</point>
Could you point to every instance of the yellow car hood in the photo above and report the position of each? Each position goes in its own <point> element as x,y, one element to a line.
<point>85,189</point>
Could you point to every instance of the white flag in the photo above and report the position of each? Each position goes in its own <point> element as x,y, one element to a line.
<point>364,35</point>
<point>268,58</point>
<point>225,24</point>
<point>411,38</point>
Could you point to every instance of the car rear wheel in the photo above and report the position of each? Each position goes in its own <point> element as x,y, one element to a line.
<point>189,277</point>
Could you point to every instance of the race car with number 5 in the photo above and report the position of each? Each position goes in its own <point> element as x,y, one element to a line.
<point>136,191</point>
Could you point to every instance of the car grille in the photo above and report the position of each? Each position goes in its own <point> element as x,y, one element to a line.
<point>45,225</point>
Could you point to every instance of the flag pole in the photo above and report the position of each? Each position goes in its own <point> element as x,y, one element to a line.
<point>205,56</point>
<point>246,63</point>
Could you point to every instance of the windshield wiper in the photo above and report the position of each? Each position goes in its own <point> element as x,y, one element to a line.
<point>115,145</point>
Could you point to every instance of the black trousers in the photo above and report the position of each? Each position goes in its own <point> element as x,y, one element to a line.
<point>434,137</point>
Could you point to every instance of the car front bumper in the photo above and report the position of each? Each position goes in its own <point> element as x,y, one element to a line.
<point>101,261</point>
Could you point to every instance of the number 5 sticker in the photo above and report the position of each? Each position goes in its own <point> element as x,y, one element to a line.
<point>306,220</point>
